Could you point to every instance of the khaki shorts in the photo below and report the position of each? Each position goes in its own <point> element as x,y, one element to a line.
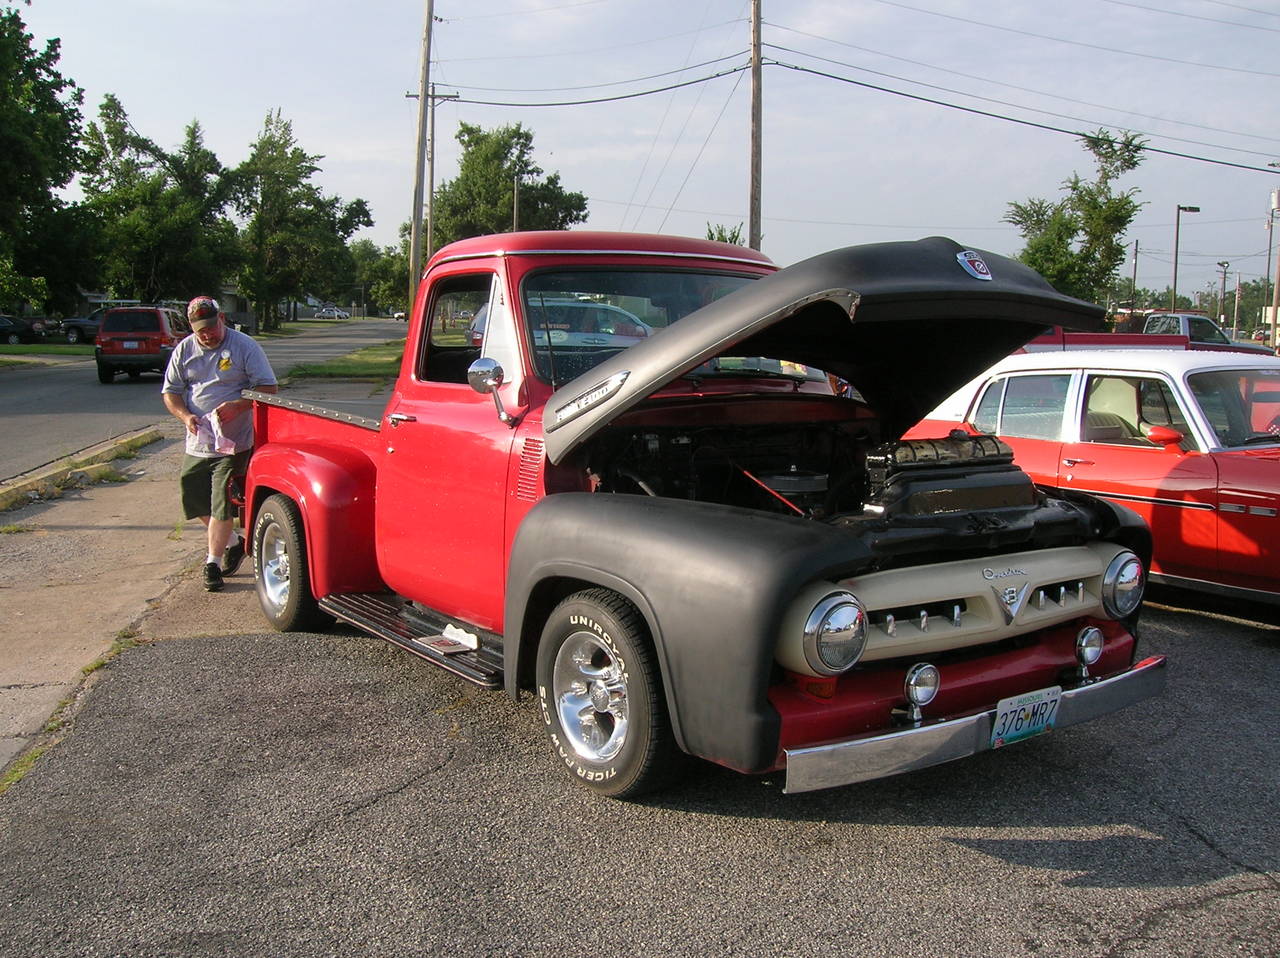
<point>204,484</point>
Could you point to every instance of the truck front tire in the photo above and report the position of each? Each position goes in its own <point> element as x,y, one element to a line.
<point>280,570</point>
<point>601,698</point>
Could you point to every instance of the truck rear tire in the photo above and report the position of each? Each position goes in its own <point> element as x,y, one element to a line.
<point>601,696</point>
<point>280,571</point>
<point>105,373</point>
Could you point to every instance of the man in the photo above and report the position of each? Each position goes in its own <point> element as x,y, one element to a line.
<point>202,386</point>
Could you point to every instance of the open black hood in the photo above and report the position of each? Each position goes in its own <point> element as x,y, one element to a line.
<point>905,323</point>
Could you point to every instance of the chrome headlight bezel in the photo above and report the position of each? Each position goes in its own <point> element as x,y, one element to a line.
<point>1123,585</point>
<point>835,634</point>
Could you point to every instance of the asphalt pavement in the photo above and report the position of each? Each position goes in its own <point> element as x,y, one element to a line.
<point>219,789</point>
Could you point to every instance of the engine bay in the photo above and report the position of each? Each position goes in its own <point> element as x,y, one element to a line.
<point>814,468</point>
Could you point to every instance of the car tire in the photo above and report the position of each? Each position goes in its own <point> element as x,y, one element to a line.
<point>13,339</point>
<point>74,336</point>
<point>601,696</point>
<point>106,375</point>
<point>280,572</point>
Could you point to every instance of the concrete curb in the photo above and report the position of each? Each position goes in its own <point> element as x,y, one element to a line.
<point>88,465</point>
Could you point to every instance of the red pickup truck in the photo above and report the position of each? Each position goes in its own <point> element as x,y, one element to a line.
<point>666,492</point>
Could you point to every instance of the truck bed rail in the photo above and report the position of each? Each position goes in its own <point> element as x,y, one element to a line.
<point>274,399</point>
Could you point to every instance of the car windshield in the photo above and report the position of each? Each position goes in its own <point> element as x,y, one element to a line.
<point>578,318</point>
<point>1242,406</point>
<point>131,321</point>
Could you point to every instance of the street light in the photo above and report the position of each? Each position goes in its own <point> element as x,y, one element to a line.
<point>1177,226</point>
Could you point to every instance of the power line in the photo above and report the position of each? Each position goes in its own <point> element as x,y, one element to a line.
<point>1016,106</point>
<point>1191,16</point>
<point>1011,119</point>
<point>561,54</point>
<point>1014,86</point>
<point>599,86</point>
<point>612,99</point>
<point>1075,43</point>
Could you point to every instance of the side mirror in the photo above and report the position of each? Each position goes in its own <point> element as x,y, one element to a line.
<point>485,376</point>
<point>1163,436</point>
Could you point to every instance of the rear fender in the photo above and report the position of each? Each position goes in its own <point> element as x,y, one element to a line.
<point>333,490</point>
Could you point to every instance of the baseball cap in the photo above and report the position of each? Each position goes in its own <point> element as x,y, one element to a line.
<point>202,311</point>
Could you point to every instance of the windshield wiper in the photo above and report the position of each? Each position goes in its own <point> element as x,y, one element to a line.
<point>1259,438</point>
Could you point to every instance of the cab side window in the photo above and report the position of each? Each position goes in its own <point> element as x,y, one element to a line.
<point>1033,406</point>
<point>451,345</point>
<point>1119,409</point>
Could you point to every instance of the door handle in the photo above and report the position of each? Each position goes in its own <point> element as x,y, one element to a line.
<point>1077,462</point>
<point>396,418</point>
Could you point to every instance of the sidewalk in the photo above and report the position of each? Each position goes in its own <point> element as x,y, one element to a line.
<point>109,562</point>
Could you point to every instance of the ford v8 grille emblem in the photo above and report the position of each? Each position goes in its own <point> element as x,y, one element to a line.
<point>1011,600</point>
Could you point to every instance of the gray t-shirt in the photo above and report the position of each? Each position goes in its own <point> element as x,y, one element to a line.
<point>206,378</point>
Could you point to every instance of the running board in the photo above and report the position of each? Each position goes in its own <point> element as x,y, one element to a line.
<point>387,617</point>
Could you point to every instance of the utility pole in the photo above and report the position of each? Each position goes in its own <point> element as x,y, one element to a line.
<point>753,231</point>
<point>1275,288</point>
<point>1222,293</point>
<point>424,104</point>
<point>515,203</point>
<point>430,246</point>
<point>1235,313</point>
<point>1133,283</point>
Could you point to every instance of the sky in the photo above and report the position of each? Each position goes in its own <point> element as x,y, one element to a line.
<point>853,149</point>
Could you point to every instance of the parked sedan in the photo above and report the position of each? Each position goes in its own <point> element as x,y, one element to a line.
<point>1189,440</point>
<point>15,330</point>
<point>331,312</point>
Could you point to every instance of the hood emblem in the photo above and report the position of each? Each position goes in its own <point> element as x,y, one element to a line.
<point>1011,600</point>
<point>973,264</point>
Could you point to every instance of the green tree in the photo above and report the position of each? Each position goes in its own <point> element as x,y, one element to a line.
<point>162,229</point>
<point>40,123</point>
<point>1077,242</point>
<point>724,234</point>
<point>380,273</point>
<point>482,198</point>
<point>295,238</point>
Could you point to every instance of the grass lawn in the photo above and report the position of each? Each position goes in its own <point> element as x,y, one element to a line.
<point>372,362</point>
<point>46,349</point>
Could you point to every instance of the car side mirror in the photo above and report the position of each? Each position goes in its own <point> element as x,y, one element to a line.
<point>1163,436</point>
<point>485,376</point>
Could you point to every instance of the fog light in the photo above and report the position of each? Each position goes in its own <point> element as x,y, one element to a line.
<point>1088,649</point>
<point>920,688</point>
<point>1122,585</point>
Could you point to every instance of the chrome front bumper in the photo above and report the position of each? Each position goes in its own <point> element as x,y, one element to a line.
<point>880,754</point>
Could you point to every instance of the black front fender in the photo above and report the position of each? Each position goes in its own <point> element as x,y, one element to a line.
<point>712,582</point>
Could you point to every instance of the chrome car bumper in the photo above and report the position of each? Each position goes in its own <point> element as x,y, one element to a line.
<point>880,754</point>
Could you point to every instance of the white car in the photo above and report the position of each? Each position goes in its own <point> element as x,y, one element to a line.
<point>1188,439</point>
<point>331,312</point>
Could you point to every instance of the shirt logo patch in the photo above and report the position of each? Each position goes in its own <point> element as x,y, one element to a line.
<point>224,364</point>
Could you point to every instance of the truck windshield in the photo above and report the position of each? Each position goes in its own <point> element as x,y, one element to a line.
<point>579,318</point>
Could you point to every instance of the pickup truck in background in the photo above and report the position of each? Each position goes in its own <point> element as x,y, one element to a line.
<point>666,491</point>
<point>1201,332</point>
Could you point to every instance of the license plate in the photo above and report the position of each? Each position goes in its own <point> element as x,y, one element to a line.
<point>129,344</point>
<point>1022,716</point>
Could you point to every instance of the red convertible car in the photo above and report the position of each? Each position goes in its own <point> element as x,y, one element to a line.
<point>1189,440</point>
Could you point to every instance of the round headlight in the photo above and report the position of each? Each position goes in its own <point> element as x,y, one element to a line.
<point>1089,645</point>
<point>1122,585</point>
<point>835,634</point>
<point>922,684</point>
